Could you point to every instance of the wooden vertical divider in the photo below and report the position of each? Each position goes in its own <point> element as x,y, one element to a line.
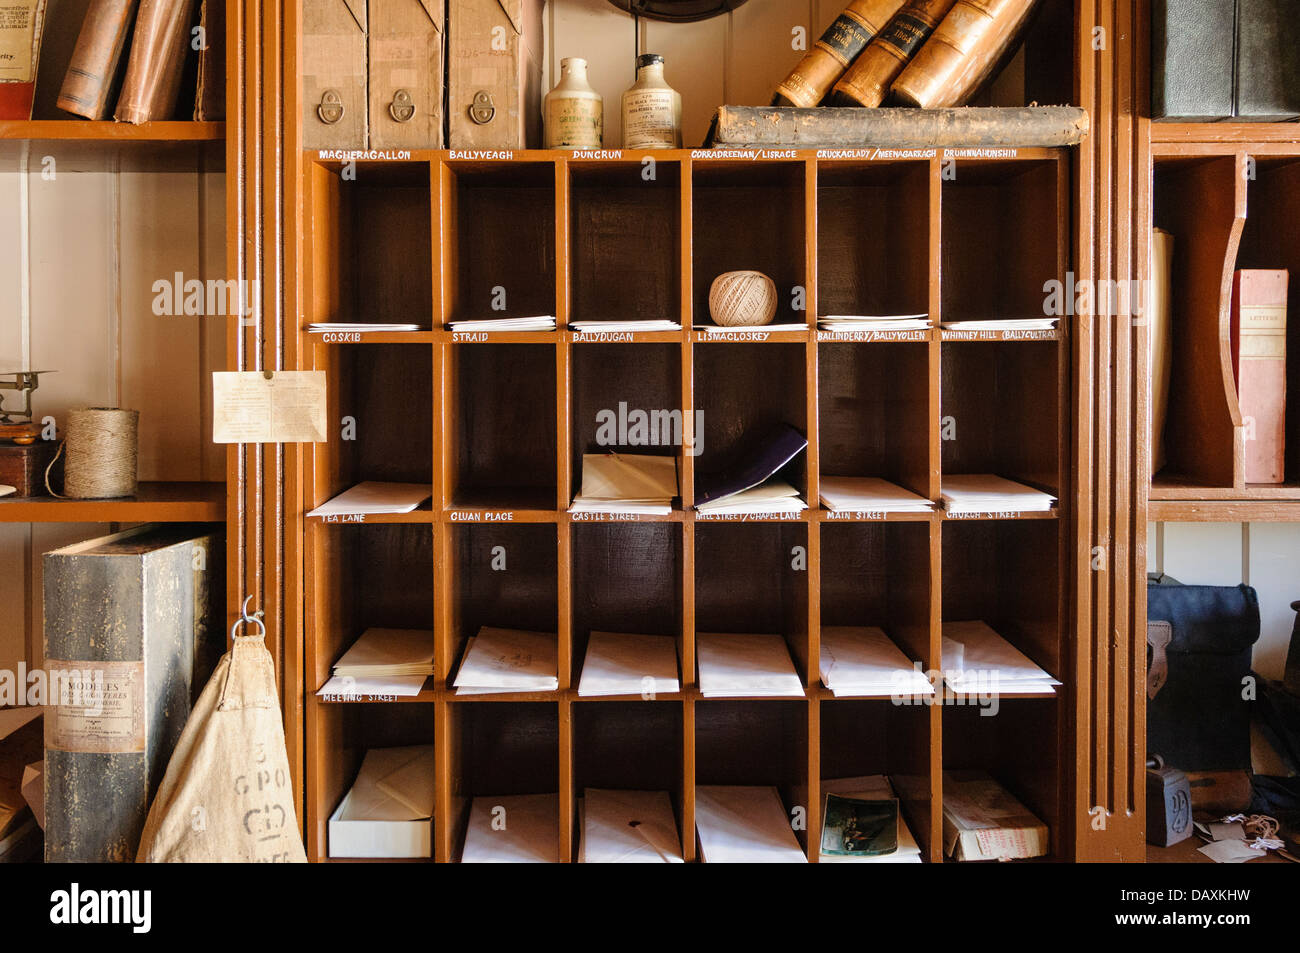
<point>563,526</point>
<point>931,839</point>
<point>812,571</point>
<point>442,212</point>
<point>686,481</point>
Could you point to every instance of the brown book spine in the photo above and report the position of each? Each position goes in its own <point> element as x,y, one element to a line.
<point>867,81</point>
<point>89,81</point>
<point>964,49</point>
<point>1259,363</point>
<point>210,97</point>
<point>838,47</point>
<point>159,48</point>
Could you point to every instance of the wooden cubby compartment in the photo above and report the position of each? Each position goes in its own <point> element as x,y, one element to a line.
<point>617,272</point>
<point>498,240</point>
<point>1002,410</point>
<point>1003,224</point>
<point>875,736</point>
<point>746,581</point>
<point>367,575</point>
<point>874,413</point>
<point>641,379</point>
<point>372,248</point>
<point>380,404</point>
<point>880,574</point>
<point>1019,747</point>
<point>348,731</point>
<point>749,218</point>
<point>1006,572</point>
<point>505,577</point>
<point>627,578</point>
<point>741,390</point>
<point>630,746</point>
<point>873,238</point>
<point>746,742</point>
<point>502,426</point>
<point>498,749</point>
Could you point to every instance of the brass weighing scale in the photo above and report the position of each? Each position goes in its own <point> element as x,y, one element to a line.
<point>24,456</point>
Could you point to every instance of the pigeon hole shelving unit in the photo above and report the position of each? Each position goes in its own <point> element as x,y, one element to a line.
<point>498,423</point>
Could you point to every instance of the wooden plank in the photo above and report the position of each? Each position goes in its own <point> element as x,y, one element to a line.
<point>790,127</point>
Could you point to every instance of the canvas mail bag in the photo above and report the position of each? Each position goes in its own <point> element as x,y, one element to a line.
<point>227,795</point>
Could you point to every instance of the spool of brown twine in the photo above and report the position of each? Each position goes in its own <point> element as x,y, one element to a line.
<point>99,453</point>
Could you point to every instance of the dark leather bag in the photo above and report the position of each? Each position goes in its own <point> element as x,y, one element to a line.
<point>1198,719</point>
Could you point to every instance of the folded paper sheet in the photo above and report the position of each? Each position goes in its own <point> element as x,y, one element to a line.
<point>744,825</point>
<point>986,493</point>
<point>869,494</point>
<point>626,482</point>
<point>508,660</point>
<point>863,661</point>
<point>734,664</point>
<point>619,663</point>
<point>541,322</point>
<point>373,497</point>
<point>628,827</point>
<point>521,829</point>
<point>977,659</point>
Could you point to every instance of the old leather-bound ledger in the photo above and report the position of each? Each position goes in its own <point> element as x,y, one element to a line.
<point>868,80</point>
<point>21,25</point>
<point>838,47</point>
<point>159,47</point>
<point>88,85</point>
<point>1259,364</point>
<point>962,53</point>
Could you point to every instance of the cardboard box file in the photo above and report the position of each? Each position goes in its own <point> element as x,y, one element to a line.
<point>494,74</point>
<point>334,74</point>
<point>405,74</point>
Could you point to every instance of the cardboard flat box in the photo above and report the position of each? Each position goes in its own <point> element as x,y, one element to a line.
<point>982,821</point>
<point>378,838</point>
<point>494,74</point>
<point>406,70</point>
<point>334,74</point>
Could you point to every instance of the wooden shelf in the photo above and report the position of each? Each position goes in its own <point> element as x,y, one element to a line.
<point>502,423</point>
<point>153,503</point>
<point>84,130</point>
<point>1225,132</point>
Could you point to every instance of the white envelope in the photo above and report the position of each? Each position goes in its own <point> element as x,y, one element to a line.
<point>847,494</point>
<point>632,478</point>
<point>369,801</point>
<point>736,664</point>
<point>373,497</point>
<point>628,827</point>
<point>520,829</point>
<point>744,825</point>
<point>862,660</point>
<point>984,492</point>
<point>985,655</point>
<point>619,663</point>
<point>509,660</point>
<point>389,652</point>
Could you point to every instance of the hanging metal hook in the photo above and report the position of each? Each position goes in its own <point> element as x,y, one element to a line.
<point>246,619</point>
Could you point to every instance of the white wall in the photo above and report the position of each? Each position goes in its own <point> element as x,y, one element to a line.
<point>1263,555</point>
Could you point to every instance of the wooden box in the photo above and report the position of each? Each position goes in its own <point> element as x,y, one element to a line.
<point>23,468</point>
<point>132,621</point>
<point>494,74</point>
<point>334,74</point>
<point>405,74</point>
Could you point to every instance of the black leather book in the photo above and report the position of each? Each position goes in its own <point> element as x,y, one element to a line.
<point>1268,60</point>
<point>1192,59</point>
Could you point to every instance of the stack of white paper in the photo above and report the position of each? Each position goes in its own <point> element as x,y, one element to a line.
<point>523,829</point>
<point>374,497</point>
<point>321,327</point>
<point>986,493</point>
<point>733,664</point>
<point>619,663</point>
<point>384,662</point>
<point>871,788</point>
<point>541,322</point>
<point>651,324</point>
<point>626,483</point>
<point>744,825</point>
<point>750,329</point>
<point>628,827</point>
<point>387,811</point>
<point>859,494</point>
<point>497,661</point>
<point>978,660</point>
<point>1002,324</point>
<point>862,661</point>
<point>874,322</point>
<point>774,496</point>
